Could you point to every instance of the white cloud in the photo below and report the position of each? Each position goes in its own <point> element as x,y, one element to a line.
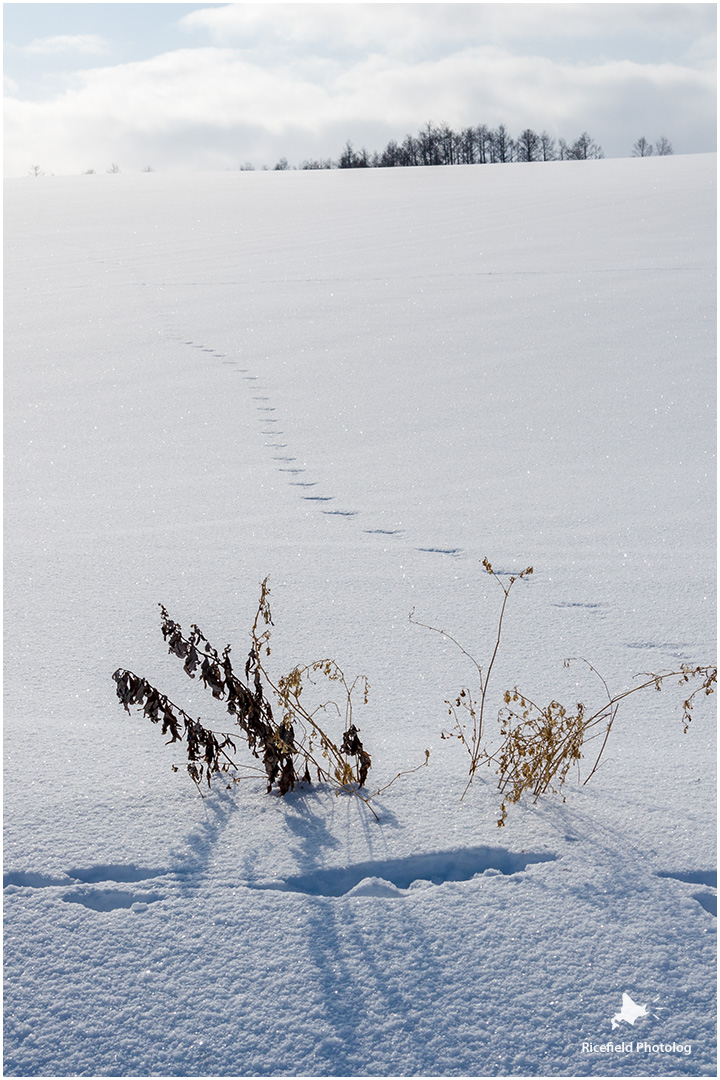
<point>66,43</point>
<point>211,107</point>
<point>392,28</point>
<point>417,28</point>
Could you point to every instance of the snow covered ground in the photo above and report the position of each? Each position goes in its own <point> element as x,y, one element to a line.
<point>506,361</point>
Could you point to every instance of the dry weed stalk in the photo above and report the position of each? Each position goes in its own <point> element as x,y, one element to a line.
<point>290,749</point>
<point>464,702</point>
<point>542,743</point>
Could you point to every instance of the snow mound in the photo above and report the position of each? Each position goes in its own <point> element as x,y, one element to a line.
<point>375,886</point>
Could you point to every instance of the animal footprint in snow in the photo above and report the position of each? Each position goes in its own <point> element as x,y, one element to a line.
<point>708,878</point>
<point>387,877</point>
<point>442,551</point>
<point>110,899</point>
<point>96,899</point>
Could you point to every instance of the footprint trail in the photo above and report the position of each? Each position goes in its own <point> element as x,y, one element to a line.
<point>283,463</point>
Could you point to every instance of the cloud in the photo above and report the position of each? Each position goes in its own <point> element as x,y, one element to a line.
<point>391,28</point>
<point>213,107</point>
<point>428,29</point>
<point>66,43</point>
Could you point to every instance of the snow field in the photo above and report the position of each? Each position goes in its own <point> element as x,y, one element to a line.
<point>505,362</point>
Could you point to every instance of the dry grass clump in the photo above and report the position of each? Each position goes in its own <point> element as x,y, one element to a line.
<point>292,748</point>
<point>540,744</point>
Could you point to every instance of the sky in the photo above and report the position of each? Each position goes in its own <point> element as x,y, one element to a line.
<point>188,87</point>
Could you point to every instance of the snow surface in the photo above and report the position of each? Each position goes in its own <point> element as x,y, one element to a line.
<point>514,362</point>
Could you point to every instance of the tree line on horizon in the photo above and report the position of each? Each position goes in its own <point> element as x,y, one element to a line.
<point>440,145</point>
<point>480,145</point>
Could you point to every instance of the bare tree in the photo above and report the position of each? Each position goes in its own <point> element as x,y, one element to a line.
<point>347,157</point>
<point>584,149</point>
<point>282,165</point>
<point>503,147</point>
<point>114,168</point>
<point>447,145</point>
<point>317,163</point>
<point>663,147</point>
<point>410,151</point>
<point>483,141</point>
<point>353,159</point>
<point>247,166</point>
<point>642,148</point>
<point>35,170</point>
<point>391,156</point>
<point>428,141</point>
<point>466,144</point>
<point>528,146</point>
<point>547,147</point>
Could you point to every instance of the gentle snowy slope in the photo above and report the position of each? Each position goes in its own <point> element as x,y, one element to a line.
<point>358,383</point>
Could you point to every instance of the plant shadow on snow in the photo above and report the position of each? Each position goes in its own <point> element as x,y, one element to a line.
<point>577,826</point>
<point>192,866</point>
<point>305,815</point>
<point>189,867</point>
<point>352,996</point>
<point>309,828</point>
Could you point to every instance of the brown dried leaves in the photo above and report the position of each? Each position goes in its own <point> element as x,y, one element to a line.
<point>286,748</point>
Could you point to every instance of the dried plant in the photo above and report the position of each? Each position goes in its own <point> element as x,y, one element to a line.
<point>293,748</point>
<point>542,743</point>
<point>464,707</point>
